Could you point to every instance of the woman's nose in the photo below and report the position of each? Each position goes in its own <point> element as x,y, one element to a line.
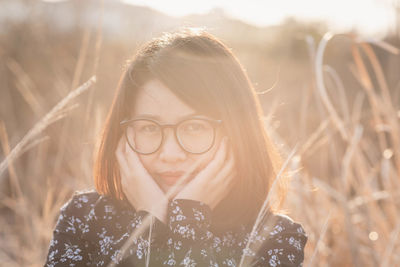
<point>170,150</point>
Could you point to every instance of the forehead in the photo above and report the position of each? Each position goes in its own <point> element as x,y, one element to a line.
<point>157,101</point>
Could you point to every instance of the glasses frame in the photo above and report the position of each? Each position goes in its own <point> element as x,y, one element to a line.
<point>214,123</point>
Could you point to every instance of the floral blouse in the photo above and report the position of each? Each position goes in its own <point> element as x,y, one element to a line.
<point>92,229</point>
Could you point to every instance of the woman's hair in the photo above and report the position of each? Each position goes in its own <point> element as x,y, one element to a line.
<point>203,73</point>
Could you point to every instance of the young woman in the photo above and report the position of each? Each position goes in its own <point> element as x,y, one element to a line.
<point>183,145</point>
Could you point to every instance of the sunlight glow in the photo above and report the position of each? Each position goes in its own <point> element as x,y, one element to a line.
<point>367,16</point>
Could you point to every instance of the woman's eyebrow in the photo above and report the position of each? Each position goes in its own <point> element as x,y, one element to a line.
<point>158,118</point>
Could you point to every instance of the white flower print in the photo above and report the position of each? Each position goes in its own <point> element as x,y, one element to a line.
<point>92,229</point>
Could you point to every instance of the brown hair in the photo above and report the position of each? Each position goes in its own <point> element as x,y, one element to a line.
<point>203,73</point>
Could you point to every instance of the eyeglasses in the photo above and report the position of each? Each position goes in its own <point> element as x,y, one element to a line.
<point>194,135</point>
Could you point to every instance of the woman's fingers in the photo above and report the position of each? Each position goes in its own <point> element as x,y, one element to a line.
<point>123,165</point>
<point>120,145</point>
<point>224,180</point>
<point>224,175</point>
<point>119,153</point>
<point>129,152</point>
<point>221,154</point>
<point>132,158</point>
<point>218,161</point>
<point>127,160</point>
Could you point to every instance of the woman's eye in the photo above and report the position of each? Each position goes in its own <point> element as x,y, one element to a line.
<point>194,127</point>
<point>149,128</point>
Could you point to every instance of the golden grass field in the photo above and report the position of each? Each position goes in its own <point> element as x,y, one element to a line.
<point>331,102</point>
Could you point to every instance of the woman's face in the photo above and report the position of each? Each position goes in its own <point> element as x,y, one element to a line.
<point>166,165</point>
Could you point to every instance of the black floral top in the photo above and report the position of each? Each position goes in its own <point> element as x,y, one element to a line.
<point>92,229</point>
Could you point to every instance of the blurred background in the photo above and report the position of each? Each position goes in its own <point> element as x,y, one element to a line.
<point>327,73</point>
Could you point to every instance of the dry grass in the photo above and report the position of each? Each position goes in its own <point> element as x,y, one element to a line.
<point>345,186</point>
<point>352,214</point>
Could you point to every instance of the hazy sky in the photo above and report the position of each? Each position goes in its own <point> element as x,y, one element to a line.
<point>367,16</point>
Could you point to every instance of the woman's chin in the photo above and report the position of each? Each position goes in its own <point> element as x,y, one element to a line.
<point>167,188</point>
<point>170,191</point>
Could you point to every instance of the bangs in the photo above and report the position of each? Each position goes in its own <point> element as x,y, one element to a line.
<point>195,80</point>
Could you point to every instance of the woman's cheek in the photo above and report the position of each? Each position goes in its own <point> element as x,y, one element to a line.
<point>147,162</point>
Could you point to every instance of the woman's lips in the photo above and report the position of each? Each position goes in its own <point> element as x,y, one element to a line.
<point>170,178</point>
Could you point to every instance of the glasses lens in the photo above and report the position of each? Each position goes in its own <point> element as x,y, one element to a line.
<point>196,135</point>
<point>144,136</point>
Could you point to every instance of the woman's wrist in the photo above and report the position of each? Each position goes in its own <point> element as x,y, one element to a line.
<point>159,210</point>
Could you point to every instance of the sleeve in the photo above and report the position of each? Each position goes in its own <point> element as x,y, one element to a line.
<point>284,245</point>
<point>138,249</point>
<point>67,248</point>
<point>190,241</point>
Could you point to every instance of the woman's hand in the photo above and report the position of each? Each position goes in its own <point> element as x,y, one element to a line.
<point>215,181</point>
<point>137,184</point>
